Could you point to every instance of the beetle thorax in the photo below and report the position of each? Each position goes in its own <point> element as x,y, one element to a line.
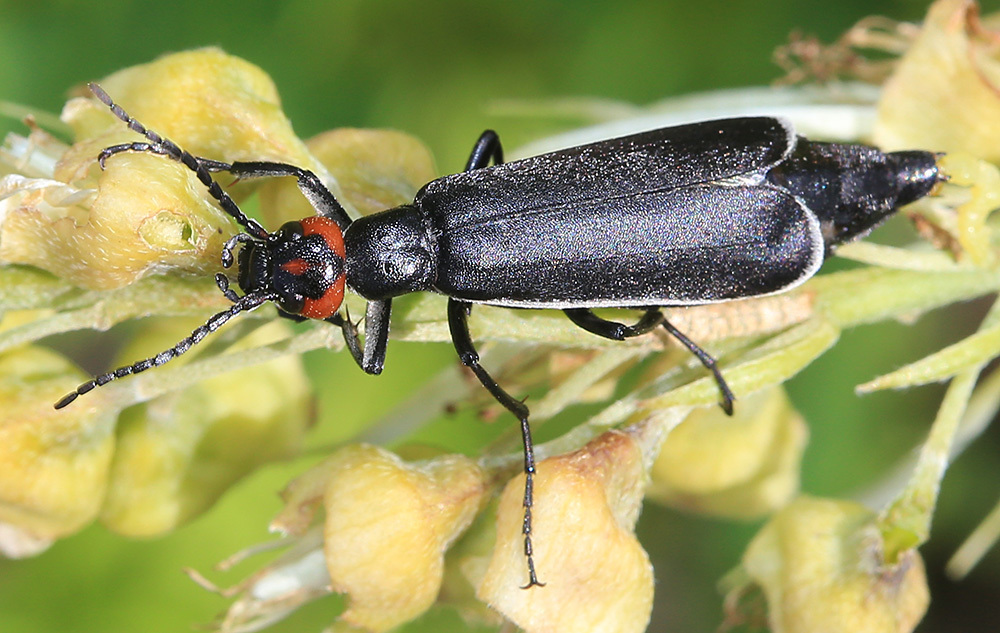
<point>390,254</point>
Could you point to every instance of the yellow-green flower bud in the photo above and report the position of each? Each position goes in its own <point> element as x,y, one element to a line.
<point>741,466</point>
<point>388,525</point>
<point>945,93</point>
<point>597,577</point>
<point>212,104</point>
<point>145,214</point>
<point>176,455</point>
<point>53,464</point>
<point>375,170</point>
<point>820,565</point>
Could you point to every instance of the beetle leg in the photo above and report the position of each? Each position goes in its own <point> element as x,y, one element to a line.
<point>350,336</point>
<point>586,319</point>
<point>653,317</point>
<point>371,356</point>
<point>154,148</point>
<point>486,148</point>
<point>709,362</point>
<point>309,184</point>
<point>376,336</point>
<point>227,248</point>
<point>458,323</point>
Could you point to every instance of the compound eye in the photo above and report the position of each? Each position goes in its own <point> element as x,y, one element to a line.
<point>291,230</point>
<point>293,304</point>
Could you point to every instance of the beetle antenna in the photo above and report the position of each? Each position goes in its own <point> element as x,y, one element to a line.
<point>244,304</point>
<point>161,145</point>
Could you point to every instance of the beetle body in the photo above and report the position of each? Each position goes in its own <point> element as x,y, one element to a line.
<point>695,214</point>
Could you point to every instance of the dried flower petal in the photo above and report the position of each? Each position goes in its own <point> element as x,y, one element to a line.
<point>945,93</point>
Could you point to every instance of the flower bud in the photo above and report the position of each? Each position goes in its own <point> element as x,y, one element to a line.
<point>740,466</point>
<point>820,565</point>
<point>597,577</point>
<point>53,464</point>
<point>211,104</point>
<point>178,454</point>
<point>146,213</point>
<point>139,216</point>
<point>388,525</point>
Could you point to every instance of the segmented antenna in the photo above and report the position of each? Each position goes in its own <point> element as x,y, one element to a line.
<point>168,148</point>
<point>201,167</point>
<point>244,304</point>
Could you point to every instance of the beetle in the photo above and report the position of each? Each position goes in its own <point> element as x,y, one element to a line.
<point>696,214</point>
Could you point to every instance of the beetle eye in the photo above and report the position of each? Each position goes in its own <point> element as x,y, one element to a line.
<point>291,230</point>
<point>293,303</point>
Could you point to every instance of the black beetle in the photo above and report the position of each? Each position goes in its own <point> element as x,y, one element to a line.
<point>694,214</point>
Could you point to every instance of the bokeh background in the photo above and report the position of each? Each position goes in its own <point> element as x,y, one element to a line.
<point>438,69</point>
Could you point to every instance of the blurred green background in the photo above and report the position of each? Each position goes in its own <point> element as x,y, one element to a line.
<point>434,69</point>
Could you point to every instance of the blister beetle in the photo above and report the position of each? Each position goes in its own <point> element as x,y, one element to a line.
<point>700,213</point>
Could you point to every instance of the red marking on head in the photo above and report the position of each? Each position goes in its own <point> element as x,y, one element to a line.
<point>296,267</point>
<point>318,225</point>
<point>329,303</point>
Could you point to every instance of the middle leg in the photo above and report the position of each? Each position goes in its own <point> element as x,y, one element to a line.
<point>587,320</point>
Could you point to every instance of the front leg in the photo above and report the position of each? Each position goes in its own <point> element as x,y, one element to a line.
<point>376,335</point>
<point>371,356</point>
<point>223,283</point>
<point>309,183</point>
